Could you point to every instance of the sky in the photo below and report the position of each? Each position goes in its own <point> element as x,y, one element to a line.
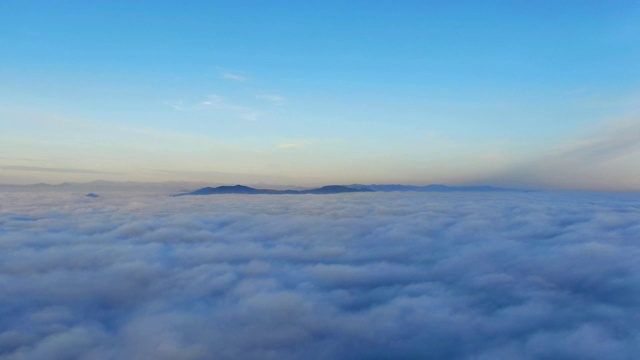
<point>542,94</point>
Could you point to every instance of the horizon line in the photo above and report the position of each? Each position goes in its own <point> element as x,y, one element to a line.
<point>292,186</point>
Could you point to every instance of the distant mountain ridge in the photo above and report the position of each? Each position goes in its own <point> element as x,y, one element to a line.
<point>241,189</point>
<point>432,188</point>
<point>185,188</point>
<point>237,189</point>
<point>338,189</point>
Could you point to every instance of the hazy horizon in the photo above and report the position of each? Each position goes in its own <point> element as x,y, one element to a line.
<point>177,185</point>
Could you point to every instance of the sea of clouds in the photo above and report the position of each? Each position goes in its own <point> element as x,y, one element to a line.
<point>349,276</point>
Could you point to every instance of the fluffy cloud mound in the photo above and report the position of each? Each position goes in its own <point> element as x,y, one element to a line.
<point>352,276</point>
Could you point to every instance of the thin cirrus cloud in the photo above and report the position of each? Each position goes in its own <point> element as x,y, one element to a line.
<point>274,99</point>
<point>53,169</point>
<point>234,76</point>
<point>605,160</point>
<point>293,144</point>
<point>217,103</point>
<point>380,275</point>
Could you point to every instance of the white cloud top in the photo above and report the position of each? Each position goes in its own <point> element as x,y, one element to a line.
<point>394,275</point>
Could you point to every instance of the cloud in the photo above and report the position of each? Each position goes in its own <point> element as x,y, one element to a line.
<point>216,102</point>
<point>29,159</point>
<point>605,160</point>
<point>234,76</point>
<point>293,144</point>
<point>577,91</point>
<point>250,115</point>
<point>379,275</point>
<point>610,143</point>
<point>178,106</point>
<point>274,99</point>
<point>51,169</point>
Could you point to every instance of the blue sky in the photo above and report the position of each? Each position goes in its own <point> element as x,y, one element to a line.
<point>539,94</point>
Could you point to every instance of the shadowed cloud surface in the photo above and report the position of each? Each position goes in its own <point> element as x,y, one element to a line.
<point>350,276</point>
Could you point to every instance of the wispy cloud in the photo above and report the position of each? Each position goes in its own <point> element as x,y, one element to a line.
<point>178,106</point>
<point>214,101</point>
<point>217,102</point>
<point>293,144</point>
<point>612,142</point>
<point>234,76</point>
<point>606,160</point>
<point>22,159</point>
<point>250,115</point>
<point>577,91</point>
<point>274,99</point>
<point>52,169</point>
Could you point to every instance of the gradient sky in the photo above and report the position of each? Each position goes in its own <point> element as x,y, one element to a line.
<point>542,94</point>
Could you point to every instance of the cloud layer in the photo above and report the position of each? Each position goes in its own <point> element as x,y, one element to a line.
<point>354,276</point>
<point>605,160</point>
